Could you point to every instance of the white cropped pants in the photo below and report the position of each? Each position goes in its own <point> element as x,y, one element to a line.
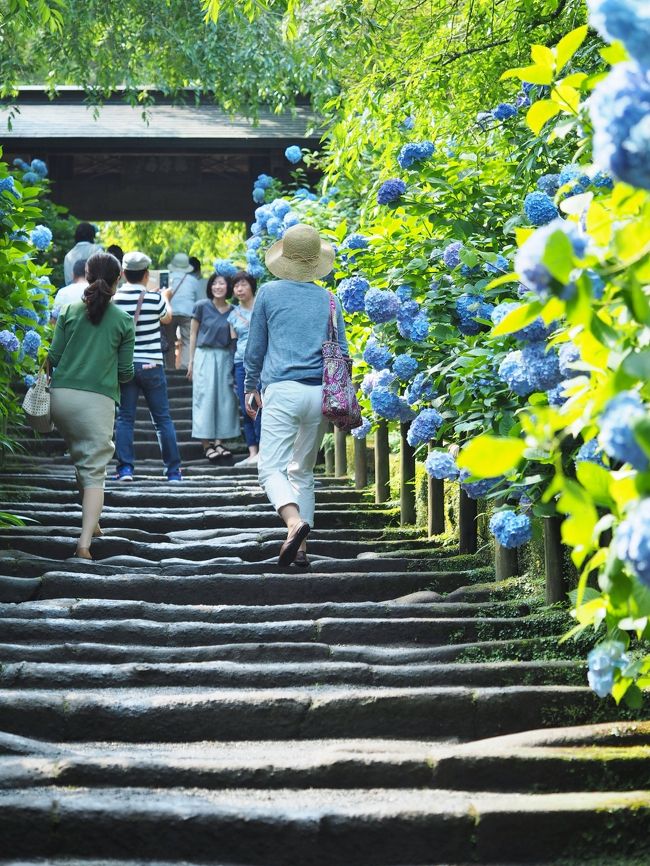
<point>293,427</point>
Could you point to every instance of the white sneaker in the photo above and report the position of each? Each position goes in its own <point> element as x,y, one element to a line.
<point>253,461</point>
<point>244,462</point>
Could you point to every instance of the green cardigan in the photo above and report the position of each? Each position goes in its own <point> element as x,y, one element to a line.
<point>91,357</point>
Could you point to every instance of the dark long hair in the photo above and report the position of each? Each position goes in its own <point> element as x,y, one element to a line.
<point>208,288</point>
<point>102,273</point>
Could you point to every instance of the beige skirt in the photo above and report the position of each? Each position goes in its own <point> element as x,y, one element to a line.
<point>85,420</point>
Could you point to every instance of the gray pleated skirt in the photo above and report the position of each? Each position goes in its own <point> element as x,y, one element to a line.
<point>215,410</point>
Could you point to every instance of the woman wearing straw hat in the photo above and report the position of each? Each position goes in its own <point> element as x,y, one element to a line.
<point>186,291</point>
<point>284,367</point>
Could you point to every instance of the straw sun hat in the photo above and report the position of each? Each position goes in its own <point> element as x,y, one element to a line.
<point>301,255</point>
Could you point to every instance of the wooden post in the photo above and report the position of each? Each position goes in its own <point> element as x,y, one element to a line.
<point>556,584</point>
<point>468,531</point>
<point>382,463</point>
<point>329,451</point>
<point>506,562</point>
<point>406,479</point>
<point>435,505</point>
<point>340,453</point>
<point>360,464</point>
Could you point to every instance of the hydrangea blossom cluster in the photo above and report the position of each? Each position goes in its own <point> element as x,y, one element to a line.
<point>405,367</point>
<point>539,208</point>
<point>355,241</point>
<point>415,152</point>
<point>7,184</point>
<point>41,237</point>
<point>408,123</point>
<point>549,184</point>
<point>368,383</point>
<point>304,194</point>
<point>590,452</point>
<point>425,427</point>
<point>9,341</point>
<point>536,330</point>
<point>385,378</point>
<point>352,294</point>
<point>533,274</point>
<point>557,396</point>
<point>376,355</point>
<point>616,429</point>
<point>389,405</point>
<point>627,20</point>
<point>451,254</point>
<point>504,111</point>
<point>633,541</point>
<point>294,154</point>
<point>362,430</point>
<point>404,292</point>
<point>381,305</point>
<point>260,187</point>
<point>477,489</point>
<point>500,266</point>
<point>619,107</point>
<point>568,355</point>
<point>510,528</point>
<point>420,390</point>
<point>531,369</point>
<point>441,465</point>
<point>29,380</point>
<point>391,191</point>
<point>225,268</point>
<point>32,343</point>
<point>470,308</point>
<point>26,313</point>
<point>603,661</point>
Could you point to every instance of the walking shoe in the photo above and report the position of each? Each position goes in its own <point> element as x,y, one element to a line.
<point>291,546</point>
<point>174,477</point>
<point>245,462</point>
<point>124,474</point>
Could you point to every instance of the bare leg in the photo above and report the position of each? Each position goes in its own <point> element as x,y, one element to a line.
<point>93,502</point>
<point>291,516</point>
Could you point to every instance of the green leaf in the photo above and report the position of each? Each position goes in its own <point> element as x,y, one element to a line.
<point>634,697</point>
<point>533,74</point>
<point>540,112</point>
<point>486,455</point>
<point>614,53</point>
<point>596,481</point>
<point>517,319</point>
<point>637,364</point>
<point>558,256</point>
<point>568,45</point>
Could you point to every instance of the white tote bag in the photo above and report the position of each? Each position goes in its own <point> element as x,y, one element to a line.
<point>36,404</point>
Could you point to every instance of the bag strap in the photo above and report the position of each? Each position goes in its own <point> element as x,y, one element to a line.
<point>45,368</point>
<point>178,287</point>
<point>332,328</point>
<point>138,307</point>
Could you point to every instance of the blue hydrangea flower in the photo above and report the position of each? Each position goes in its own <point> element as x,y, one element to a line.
<point>425,427</point>
<point>522,101</point>
<point>406,413</point>
<point>259,195</point>
<point>513,372</point>
<point>568,354</point>
<point>293,154</point>
<point>21,164</point>
<point>632,541</point>
<point>603,661</point>
<point>539,208</point>
<point>549,183</point>
<point>41,237</point>
<point>254,243</point>
<point>391,191</point>
<point>225,268</point>
<point>619,106</point>
<point>534,275</point>
<point>480,488</point>
<point>504,111</point>
<point>535,331</point>
<point>441,465</point>
<point>404,292</point>
<point>420,390</point>
<point>280,207</point>
<point>405,367</point>
<point>470,308</point>
<point>32,343</point>
<point>376,355</point>
<point>355,241</point>
<point>557,396</point>
<point>263,214</point>
<point>39,167</point>
<point>304,194</point>
<point>408,123</point>
<point>543,366</point>
<point>368,383</point>
<point>602,180</point>
<point>590,452</point>
<point>451,255</point>
<point>467,271</point>
<point>381,305</point>
<point>385,378</point>
<point>385,403</point>
<point>616,429</point>
<point>363,429</point>
<point>7,184</point>
<point>257,270</point>
<point>9,341</point>
<point>627,20</point>
<point>263,181</point>
<point>510,528</point>
<point>352,293</point>
<point>500,266</point>
<point>26,313</point>
<point>29,380</point>
<point>30,177</point>
<point>275,228</point>
<point>256,229</point>
<point>406,315</point>
<point>290,219</point>
<point>419,328</point>
<point>415,152</point>
<point>577,177</point>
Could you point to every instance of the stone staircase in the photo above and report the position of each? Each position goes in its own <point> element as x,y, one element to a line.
<point>184,700</point>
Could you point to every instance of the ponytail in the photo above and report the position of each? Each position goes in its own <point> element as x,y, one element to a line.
<point>102,273</point>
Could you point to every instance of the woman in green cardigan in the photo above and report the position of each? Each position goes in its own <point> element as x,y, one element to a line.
<point>92,352</point>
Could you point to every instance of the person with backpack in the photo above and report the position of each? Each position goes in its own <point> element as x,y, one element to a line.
<point>149,310</point>
<point>91,353</point>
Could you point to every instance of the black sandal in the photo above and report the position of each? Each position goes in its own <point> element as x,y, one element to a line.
<point>221,452</point>
<point>212,454</point>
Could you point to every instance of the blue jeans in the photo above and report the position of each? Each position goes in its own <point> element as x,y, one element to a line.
<point>251,428</point>
<point>153,384</point>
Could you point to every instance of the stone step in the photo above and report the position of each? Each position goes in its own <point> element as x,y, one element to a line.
<point>200,713</point>
<point>144,448</point>
<point>336,827</point>
<point>34,675</point>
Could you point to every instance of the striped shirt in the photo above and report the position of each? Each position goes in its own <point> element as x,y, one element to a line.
<point>147,330</point>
